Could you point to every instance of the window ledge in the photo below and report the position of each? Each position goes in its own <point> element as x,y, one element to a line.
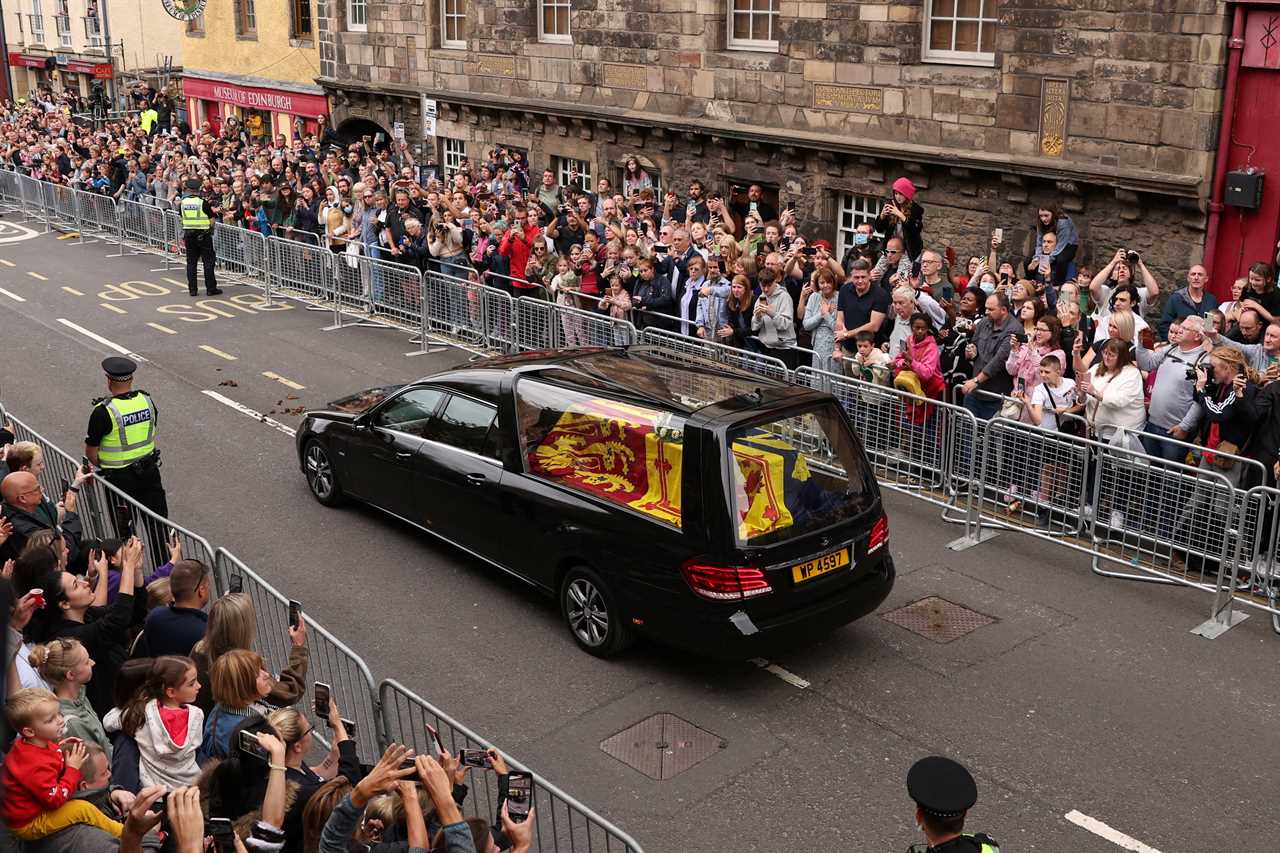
<point>758,47</point>
<point>453,45</point>
<point>977,61</point>
<point>544,39</point>
<point>306,43</point>
<point>246,36</point>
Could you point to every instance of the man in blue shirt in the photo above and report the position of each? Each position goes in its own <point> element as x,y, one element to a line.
<point>174,629</point>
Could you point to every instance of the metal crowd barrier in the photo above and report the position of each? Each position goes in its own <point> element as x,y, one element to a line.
<point>98,213</point>
<point>561,822</point>
<point>241,254</point>
<point>330,660</point>
<point>682,347</point>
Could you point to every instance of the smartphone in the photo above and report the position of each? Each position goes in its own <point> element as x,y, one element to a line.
<point>220,829</point>
<point>435,736</point>
<point>998,235</point>
<point>350,726</point>
<point>295,613</point>
<point>235,583</point>
<point>322,694</point>
<point>474,758</point>
<point>754,206</point>
<point>660,248</point>
<point>66,487</point>
<point>124,521</point>
<point>791,205</point>
<point>377,138</point>
<point>519,795</point>
<point>249,746</point>
<point>85,465</point>
<point>810,250</point>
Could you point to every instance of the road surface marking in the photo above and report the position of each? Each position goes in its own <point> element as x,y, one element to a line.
<point>219,353</point>
<point>100,339</point>
<point>15,297</point>
<point>787,676</point>
<point>70,236</point>
<point>9,264</point>
<point>258,416</point>
<point>289,382</point>
<point>1101,830</point>
<point>37,275</point>
<point>111,307</point>
<point>175,281</point>
<point>160,328</point>
<point>72,291</point>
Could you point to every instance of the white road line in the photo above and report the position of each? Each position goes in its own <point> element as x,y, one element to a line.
<point>9,264</point>
<point>286,382</point>
<point>258,416</point>
<point>100,339</point>
<point>9,293</point>
<point>219,353</point>
<point>37,275</point>
<point>786,675</point>
<point>72,291</point>
<point>1115,836</point>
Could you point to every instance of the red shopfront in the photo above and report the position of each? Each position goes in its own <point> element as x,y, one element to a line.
<point>1240,233</point>
<point>51,69</point>
<point>266,112</point>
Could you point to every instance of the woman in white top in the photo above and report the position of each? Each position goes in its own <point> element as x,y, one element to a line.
<point>1124,298</point>
<point>1112,391</point>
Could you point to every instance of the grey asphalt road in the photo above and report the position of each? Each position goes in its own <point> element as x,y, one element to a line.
<point>1084,695</point>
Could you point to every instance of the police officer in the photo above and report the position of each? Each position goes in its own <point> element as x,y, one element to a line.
<point>197,233</point>
<point>944,791</point>
<point>121,439</point>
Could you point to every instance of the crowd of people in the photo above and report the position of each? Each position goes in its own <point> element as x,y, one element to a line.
<point>1020,330</point>
<point>141,714</point>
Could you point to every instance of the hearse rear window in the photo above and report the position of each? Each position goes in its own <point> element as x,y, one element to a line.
<point>623,453</point>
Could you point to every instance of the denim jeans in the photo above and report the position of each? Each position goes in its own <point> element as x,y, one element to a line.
<point>984,408</point>
<point>1166,450</point>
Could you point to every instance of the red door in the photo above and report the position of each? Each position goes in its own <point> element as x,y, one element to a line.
<point>1247,236</point>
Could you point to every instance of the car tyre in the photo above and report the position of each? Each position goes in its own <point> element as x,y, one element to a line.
<point>592,615</point>
<point>322,480</point>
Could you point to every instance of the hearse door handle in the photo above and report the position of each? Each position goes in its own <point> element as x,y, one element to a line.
<point>477,479</point>
<point>404,454</point>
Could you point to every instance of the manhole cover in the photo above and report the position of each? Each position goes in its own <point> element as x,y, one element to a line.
<point>938,619</point>
<point>662,746</point>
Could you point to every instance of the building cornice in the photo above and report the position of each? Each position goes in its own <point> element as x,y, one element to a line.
<point>256,82</point>
<point>1133,180</point>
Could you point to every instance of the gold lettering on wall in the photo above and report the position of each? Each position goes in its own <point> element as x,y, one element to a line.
<point>495,66</point>
<point>855,99</point>
<point>626,77</point>
<point>1055,95</point>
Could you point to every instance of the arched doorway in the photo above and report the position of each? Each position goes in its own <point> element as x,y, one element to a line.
<point>356,128</point>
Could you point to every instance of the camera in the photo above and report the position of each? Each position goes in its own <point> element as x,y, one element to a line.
<point>1134,258</point>
<point>1191,373</point>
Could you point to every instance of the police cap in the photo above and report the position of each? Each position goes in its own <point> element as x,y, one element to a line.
<point>192,185</point>
<point>119,368</point>
<point>942,787</point>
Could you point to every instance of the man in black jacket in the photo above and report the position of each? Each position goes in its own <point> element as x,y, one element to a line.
<point>29,511</point>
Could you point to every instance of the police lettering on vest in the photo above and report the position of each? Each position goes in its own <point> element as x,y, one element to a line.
<point>133,431</point>
<point>193,215</point>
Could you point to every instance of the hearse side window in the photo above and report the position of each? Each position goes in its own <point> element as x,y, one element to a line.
<point>622,453</point>
<point>410,412</point>
<point>467,425</point>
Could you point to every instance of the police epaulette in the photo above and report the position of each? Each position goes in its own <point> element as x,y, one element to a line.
<point>98,401</point>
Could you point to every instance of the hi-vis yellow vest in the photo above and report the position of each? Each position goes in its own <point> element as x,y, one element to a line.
<point>133,431</point>
<point>193,218</point>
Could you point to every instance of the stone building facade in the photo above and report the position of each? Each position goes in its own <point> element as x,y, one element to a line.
<point>1108,107</point>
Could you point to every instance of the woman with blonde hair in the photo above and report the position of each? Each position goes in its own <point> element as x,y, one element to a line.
<point>295,731</point>
<point>240,684</point>
<point>65,665</point>
<point>233,625</point>
<point>1120,327</point>
<point>1226,392</point>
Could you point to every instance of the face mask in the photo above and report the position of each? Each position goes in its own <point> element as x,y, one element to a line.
<point>988,287</point>
<point>346,210</point>
<point>860,239</point>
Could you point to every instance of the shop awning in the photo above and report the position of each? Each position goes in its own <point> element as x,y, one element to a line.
<point>255,97</point>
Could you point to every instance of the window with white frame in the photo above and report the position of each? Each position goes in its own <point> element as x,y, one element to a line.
<point>553,21</point>
<point>357,16</point>
<point>36,19</point>
<point>571,172</point>
<point>93,31</point>
<point>452,153</point>
<point>853,211</point>
<point>753,24</point>
<point>62,20</point>
<point>961,32</point>
<point>453,23</point>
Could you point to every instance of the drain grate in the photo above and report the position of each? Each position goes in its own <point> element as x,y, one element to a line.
<point>662,746</point>
<point>938,619</point>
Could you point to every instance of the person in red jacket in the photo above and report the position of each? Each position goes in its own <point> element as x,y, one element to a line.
<point>38,781</point>
<point>517,244</point>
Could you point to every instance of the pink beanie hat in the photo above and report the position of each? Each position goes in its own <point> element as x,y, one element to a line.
<point>904,186</point>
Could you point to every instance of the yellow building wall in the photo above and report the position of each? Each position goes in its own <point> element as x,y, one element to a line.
<point>145,34</point>
<point>270,54</point>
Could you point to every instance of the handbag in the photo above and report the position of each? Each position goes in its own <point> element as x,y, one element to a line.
<point>1011,409</point>
<point>1067,426</point>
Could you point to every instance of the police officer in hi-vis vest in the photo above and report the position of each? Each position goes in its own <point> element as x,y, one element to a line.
<point>121,439</point>
<point>197,233</point>
<point>944,791</point>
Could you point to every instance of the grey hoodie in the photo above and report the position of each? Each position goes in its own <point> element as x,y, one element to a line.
<point>160,760</point>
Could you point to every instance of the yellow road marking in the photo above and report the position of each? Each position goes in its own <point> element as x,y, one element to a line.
<point>111,307</point>
<point>160,328</point>
<point>72,291</point>
<point>37,275</point>
<point>219,353</point>
<point>175,281</point>
<point>9,264</point>
<point>70,236</point>
<point>287,382</point>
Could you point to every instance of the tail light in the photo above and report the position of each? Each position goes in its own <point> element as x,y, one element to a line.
<point>725,583</point>
<point>879,535</point>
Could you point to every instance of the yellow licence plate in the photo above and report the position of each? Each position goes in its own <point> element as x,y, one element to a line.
<point>820,565</point>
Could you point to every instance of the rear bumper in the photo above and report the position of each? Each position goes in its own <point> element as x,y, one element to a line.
<point>714,631</point>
